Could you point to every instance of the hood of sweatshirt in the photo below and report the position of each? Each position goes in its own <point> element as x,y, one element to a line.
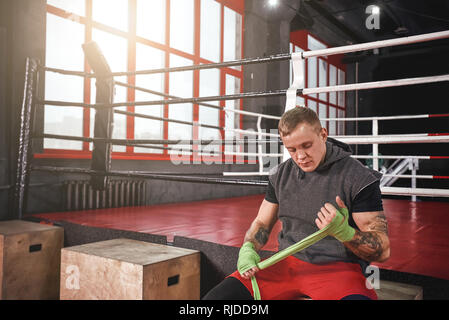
<point>335,151</point>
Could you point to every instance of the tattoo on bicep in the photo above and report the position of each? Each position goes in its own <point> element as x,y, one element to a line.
<point>262,235</point>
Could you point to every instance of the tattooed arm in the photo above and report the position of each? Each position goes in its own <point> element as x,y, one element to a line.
<point>371,243</point>
<point>260,228</point>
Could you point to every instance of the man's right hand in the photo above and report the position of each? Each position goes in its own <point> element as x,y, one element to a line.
<point>248,260</point>
<point>250,273</point>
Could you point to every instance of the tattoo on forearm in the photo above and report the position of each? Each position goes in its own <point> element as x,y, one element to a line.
<point>262,235</point>
<point>367,245</point>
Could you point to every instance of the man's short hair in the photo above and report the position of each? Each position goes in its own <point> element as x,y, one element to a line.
<point>292,118</point>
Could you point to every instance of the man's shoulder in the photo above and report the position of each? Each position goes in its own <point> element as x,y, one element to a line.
<point>287,165</point>
<point>359,172</point>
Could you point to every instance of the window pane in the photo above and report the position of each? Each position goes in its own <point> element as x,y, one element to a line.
<point>332,124</point>
<point>312,105</point>
<point>210,30</point>
<point>66,53</point>
<point>299,101</point>
<point>181,25</point>
<point>322,67</point>
<point>68,121</point>
<point>290,65</point>
<point>151,20</point>
<point>181,85</point>
<point>62,51</point>
<point>341,95</point>
<point>111,13</point>
<point>312,74</point>
<point>232,119</point>
<point>209,86</point>
<point>114,49</point>
<point>78,7</point>
<point>341,124</point>
<point>323,114</point>
<point>314,44</point>
<point>119,130</point>
<point>232,35</point>
<point>149,58</point>
<point>332,82</point>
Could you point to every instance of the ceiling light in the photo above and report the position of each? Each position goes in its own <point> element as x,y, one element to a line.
<point>273,2</point>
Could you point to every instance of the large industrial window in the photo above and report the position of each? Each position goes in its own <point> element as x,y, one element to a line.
<point>321,72</point>
<point>140,35</point>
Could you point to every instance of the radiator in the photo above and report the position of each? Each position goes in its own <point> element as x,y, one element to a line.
<point>79,195</point>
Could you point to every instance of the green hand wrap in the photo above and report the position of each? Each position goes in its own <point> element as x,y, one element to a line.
<point>338,227</point>
<point>248,257</point>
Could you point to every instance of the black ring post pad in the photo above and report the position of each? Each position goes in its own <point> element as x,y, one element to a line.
<point>101,154</point>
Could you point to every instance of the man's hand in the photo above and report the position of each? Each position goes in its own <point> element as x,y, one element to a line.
<point>248,260</point>
<point>339,218</point>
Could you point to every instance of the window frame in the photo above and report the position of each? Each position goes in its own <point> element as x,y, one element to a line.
<point>133,39</point>
<point>299,39</point>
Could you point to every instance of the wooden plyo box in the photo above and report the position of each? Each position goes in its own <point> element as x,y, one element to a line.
<point>124,269</point>
<point>389,290</point>
<point>30,256</point>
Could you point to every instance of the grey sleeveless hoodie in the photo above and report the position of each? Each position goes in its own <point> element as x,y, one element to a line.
<point>302,194</point>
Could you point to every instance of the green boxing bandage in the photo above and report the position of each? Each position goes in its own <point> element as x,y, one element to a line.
<point>340,227</point>
<point>248,257</point>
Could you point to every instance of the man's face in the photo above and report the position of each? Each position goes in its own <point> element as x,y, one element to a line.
<point>306,145</point>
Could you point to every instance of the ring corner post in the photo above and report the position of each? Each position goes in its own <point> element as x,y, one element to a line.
<point>102,148</point>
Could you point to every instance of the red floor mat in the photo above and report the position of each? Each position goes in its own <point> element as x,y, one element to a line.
<point>418,231</point>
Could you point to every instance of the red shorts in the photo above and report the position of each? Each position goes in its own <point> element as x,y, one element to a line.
<point>292,279</point>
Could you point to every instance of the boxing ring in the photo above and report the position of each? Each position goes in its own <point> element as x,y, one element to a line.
<point>217,227</point>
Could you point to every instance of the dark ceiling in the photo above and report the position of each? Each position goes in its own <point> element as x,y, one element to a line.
<point>397,17</point>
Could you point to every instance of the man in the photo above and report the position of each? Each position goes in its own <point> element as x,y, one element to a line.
<point>305,193</point>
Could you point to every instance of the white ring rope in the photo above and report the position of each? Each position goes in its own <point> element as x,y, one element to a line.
<point>376,84</point>
<point>399,157</point>
<point>404,117</point>
<point>417,176</point>
<point>387,139</point>
<point>376,44</point>
<point>415,192</point>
